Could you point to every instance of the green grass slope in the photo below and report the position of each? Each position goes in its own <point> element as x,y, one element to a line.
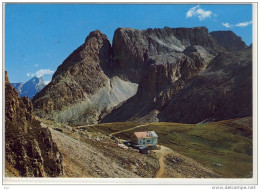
<point>225,146</point>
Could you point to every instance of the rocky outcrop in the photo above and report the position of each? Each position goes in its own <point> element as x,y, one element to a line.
<point>169,69</point>
<point>79,76</point>
<point>132,48</point>
<point>222,91</point>
<point>83,85</point>
<point>29,148</point>
<point>160,60</point>
<point>177,58</point>
<point>161,97</point>
<point>229,40</point>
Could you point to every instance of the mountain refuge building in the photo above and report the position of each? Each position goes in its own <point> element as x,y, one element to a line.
<point>145,138</point>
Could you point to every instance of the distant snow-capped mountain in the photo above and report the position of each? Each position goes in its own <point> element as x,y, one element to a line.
<point>30,88</point>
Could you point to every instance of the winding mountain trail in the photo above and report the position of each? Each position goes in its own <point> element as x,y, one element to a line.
<point>111,134</point>
<point>161,154</point>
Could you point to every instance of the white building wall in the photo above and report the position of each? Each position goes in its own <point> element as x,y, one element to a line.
<point>144,141</point>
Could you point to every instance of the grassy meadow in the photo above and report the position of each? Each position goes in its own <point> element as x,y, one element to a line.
<point>225,146</point>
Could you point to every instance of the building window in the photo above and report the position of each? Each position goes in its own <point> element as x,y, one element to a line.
<point>148,141</point>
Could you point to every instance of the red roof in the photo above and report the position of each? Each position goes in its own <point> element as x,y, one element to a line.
<point>144,134</point>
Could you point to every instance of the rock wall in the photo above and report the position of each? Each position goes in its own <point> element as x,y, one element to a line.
<point>229,40</point>
<point>173,87</point>
<point>83,85</point>
<point>132,48</point>
<point>29,148</point>
<point>222,91</point>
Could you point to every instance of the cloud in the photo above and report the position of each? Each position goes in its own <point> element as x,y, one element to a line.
<point>35,65</point>
<point>243,24</point>
<point>227,25</point>
<point>43,72</point>
<point>191,11</point>
<point>202,14</point>
<point>198,12</point>
<point>40,73</point>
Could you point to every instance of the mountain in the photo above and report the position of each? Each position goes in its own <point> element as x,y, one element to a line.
<point>146,76</point>
<point>229,40</point>
<point>29,148</point>
<point>134,50</point>
<point>207,85</point>
<point>222,91</point>
<point>83,86</point>
<point>29,88</point>
<point>18,86</point>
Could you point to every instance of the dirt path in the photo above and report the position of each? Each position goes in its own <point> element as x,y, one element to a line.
<point>161,154</point>
<point>111,134</point>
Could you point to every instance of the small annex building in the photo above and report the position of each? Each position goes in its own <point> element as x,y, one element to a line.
<point>145,138</point>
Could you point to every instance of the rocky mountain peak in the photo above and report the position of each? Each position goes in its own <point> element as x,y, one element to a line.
<point>229,40</point>
<point>83,84</point>
<point>133,49</point>
<point>38,82</point>
<point>96,47</point>
<point>96,34</point>
<point>37,79</point>
<point>29,88</point>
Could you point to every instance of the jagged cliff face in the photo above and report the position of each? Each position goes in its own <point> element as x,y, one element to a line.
<point>222,91</point>
<point>29,148</point>
<point>79,76</point>
<point>135,79</point>
<point>171,57</point>
<point>160,96</point>
<point>83,86</point>
<point>229,40</point>
<point>133,49</point>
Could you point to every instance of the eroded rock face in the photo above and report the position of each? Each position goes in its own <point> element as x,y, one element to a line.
<point>222,91</point>
<point>79,76</point>
<point>83,85</point>
<point>229,40</point>
<point>29,149</point>
<point>178,56</point>
<point>160,96</point>
<point>132,48</point>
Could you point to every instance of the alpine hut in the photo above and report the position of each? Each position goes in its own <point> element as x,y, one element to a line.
<point>145,138</point>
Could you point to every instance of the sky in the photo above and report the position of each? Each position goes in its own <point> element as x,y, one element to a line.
<point>39,37</point>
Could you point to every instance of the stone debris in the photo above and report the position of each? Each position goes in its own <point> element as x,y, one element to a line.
<point>122,146</point>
